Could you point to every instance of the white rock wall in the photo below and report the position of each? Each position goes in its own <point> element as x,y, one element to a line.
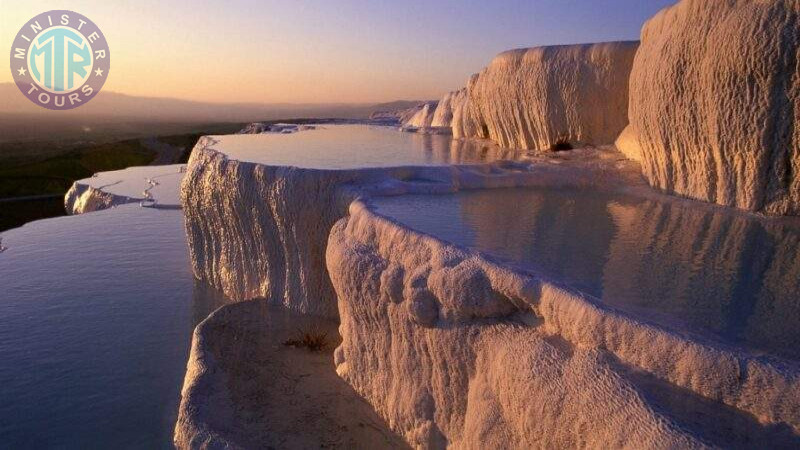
<point>464,123</point>
<point>443,116</point>
<point>454,350</point>
<point>259,231</point>
<point>423,118</point>
<point>532,98</point>
<point>715,103</point>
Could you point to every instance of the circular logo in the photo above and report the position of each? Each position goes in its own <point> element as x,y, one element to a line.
<point>60,59</point>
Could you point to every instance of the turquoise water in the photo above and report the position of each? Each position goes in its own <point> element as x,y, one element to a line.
<point>356,146</point>
<point>728,277</point>
<point>97,313</point>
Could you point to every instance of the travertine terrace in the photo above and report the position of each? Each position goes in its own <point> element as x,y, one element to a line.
<point>441,341</point>
<point>535,98</point>
<point>715,103</point>
<point>265,234</point>
<point>155,186</point>
<point>454,348</point>
<point>463,338</point>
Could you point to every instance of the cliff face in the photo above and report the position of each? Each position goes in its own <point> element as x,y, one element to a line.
<point>254,230</point>
<point>715,103</point>
<point>534,98</point>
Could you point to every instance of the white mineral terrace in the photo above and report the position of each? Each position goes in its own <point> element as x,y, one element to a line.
<point>603,255</point>
<point>153,186</point>
<point>450,347</point>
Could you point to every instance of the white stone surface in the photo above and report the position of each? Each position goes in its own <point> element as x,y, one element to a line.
<point>153,185</point>
<point>443,116</point>
<point>464,123</point>
<point>715,103</point>
<point>423,118</point>
<point>455,350</point>
<point>532,98</point>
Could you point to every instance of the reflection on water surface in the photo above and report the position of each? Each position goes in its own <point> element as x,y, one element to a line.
<point>728,276</point>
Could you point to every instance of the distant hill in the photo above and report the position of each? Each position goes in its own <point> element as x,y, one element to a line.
<point>398,105</point>
<point>112,112</point>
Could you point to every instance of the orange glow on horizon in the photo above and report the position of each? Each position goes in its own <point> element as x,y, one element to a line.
<point>347,51</point>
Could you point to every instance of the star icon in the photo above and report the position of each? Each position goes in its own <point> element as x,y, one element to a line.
<point>98,72</point>
<point>21,71</point>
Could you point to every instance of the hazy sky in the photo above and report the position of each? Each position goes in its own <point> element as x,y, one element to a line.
<point>323,51</point>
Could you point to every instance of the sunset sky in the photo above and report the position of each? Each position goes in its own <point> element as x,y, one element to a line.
<point>323,51</point>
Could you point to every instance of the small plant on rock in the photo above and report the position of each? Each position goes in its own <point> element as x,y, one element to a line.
<point>311,339</point>
<point>561,144</point>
